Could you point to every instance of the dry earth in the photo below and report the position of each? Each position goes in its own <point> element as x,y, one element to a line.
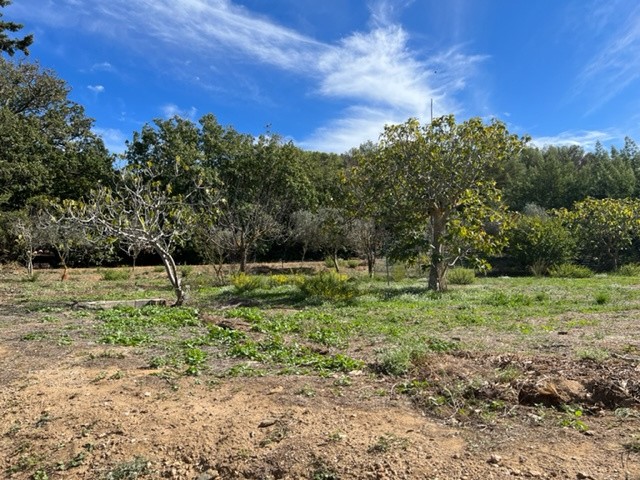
<point>81,411</point>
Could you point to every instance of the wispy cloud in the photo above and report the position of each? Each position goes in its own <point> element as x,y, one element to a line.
<point>102,67</point>
<point>586,139</point>
<point>374,73</point>
<point>96,88</point>
<point>171,110</point>
<point>616,65</point>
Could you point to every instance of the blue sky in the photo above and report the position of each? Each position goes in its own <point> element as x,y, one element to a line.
<point>329,74</point>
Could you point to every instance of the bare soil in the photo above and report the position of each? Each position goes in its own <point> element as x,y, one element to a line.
<point>82,411</point>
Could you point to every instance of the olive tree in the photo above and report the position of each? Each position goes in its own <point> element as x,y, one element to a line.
<point>436,178</point>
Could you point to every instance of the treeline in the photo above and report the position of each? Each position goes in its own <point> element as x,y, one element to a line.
<point>440,194</point>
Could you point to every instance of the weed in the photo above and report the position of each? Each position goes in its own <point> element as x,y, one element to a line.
<point>131,470</point>
<point>633,446</point>
<point>412,387</point>
<point>247,283</point>
<point>115,274</point>
<point>395,361</point>
<point>629,270</point>
<point>594,354</point>
<point>569,270</point>
<point>330,286</point>
<point>387,442</point>
<point>502,299</point>
<point>602,297</point>
<point>306,391</point>
<point>40,475</point>
<point>186,271</point>
<point>353,263</point>
<point>461,276</point>
<point>573,419</point>
<point>195,360</point>
<point>38,335</point>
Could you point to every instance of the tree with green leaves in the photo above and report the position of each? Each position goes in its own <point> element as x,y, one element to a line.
<point>11,45</point>
<point>604,229</point>
<point>47,148</point>
<point>435,178</point>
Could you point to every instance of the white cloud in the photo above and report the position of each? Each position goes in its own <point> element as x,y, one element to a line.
<point>616,64</point>
<point>375,73</point>
<point>113,138</point>
<point>96,88</point>
<point>102,67</point>
<point>586,139</point>
<point>171,110</point>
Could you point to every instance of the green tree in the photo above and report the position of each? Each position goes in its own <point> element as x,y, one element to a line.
<point>11,45</point>
<point>47,148</point>
<point>604,229</point>
<point>431,174</point>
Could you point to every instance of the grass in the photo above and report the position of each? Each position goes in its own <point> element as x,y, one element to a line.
<point>335,323</point>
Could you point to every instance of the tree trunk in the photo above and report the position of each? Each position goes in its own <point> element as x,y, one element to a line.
<point>30,264</point>
<point>371,263</point>
<point>335,261</point>
<point>172,272</point>
<point>244,254</point>
<point>438,266</point>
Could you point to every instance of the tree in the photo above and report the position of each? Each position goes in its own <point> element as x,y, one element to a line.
<point>10,45</point>
<point>47,149</point>
<point>604,229</point>
<point>429,175</point>
<point>140,212</point>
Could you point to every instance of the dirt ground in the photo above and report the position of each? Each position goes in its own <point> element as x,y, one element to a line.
<point>83,411</point>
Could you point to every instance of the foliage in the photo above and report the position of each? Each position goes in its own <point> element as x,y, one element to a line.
<point>330,286</point>
<point>10,45</point>
<point>48,148</point>
<point>629,270</point>
<point>570,270</point>
<point>434,182</point>
<point>461,276</point>
<point>604,230</point>
<point>115,274</point>
<point>247,283</point>
<point>540,242</point>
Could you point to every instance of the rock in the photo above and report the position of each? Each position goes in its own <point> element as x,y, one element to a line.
<point>267,422</point>
<point>494,459</point>
<point>583,476</point>
<point>534,473</point>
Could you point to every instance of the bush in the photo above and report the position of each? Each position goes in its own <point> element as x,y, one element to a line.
<point>461,276</point>
<point>279,280</point>
<point>115,274</point>
<point>353,263</point>
<point>329,286</point>
<point>629,270</point>
<point>537,243</point>
<point>569,270</point>
<point>247,283</point>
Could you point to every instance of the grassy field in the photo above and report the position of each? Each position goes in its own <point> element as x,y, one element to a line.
<point>498,353</point>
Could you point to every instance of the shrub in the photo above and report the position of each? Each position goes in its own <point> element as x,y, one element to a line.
<point>115,274</point>
<point>569,270</point>
<point>461,276</point>
<point>247,283</point>
<point>279,280</point>
<point>537,243</point>
<point>186,270</point>
<point>353,263</point>
<point>629,270</point>
<point>329,286</point>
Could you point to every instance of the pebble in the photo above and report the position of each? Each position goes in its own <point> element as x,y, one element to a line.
<point>494,459</point>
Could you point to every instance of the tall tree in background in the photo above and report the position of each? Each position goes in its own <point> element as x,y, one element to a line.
<point>47,148</point>
<point>11,45</point>
<point>433,173</point>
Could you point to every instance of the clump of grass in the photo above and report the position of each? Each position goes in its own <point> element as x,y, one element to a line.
<point>280,280</point>
<point>602,297</point>
<point>330,286</point>
<point>502,299</point>
<point>569,270</point>
<point>461,276</point>
<point>594,354</point>
<point>353,263</point>
<point>186,270</point>
<point>247,283</point>
<point>115,274</point>
<point>629,270</point>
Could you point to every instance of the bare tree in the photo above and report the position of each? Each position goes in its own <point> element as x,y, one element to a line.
<point>141,213</point>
